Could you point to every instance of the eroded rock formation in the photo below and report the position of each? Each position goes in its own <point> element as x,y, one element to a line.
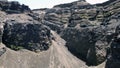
<point>35,37</point>
<point>13,7</point>
<point>91,33</point>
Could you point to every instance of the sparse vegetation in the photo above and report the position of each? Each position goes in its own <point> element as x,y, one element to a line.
<point>14,47</point>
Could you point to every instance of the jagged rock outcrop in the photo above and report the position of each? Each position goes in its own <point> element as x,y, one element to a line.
<point>91,33</point>
<point>19,31</point>
<point>88,44</point>
<point>78,20</point>
<point>113,60</point>
<point>51,58</point>
<point>33,36</point>
<point>87,29</point>
<point>13,7</point>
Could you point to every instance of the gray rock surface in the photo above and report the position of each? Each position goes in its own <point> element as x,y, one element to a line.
<point>87,29</point>
<point>52,58</point>
<point>13,7</point>
<point>35,37</point>
<point>90,32</point>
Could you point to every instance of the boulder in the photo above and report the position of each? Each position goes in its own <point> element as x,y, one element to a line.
<point>35,37</point>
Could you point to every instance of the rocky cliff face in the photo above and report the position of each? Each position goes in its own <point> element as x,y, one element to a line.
<point>13,7</point>
<point>90,32</point>
<point>88,29</point>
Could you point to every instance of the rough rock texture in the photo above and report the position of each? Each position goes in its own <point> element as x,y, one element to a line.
<point>13,7</point>
<point>35,37</point>
<point>87,44</point>
<point>91,33</point>
<point>52,58</point>
<point>114,56</point>
<point>87,29</point>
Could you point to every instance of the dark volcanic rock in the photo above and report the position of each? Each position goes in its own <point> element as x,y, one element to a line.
<point>91,32</point>
<point>54,26</point>
<point>13,7</point>
<point>56,18</point>
<point>88,44</point>
<point>114,55</point>
<point>35,37</point>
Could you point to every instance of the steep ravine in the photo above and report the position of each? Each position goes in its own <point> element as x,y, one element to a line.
<point>71,35</point>
<point>57,56</point>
